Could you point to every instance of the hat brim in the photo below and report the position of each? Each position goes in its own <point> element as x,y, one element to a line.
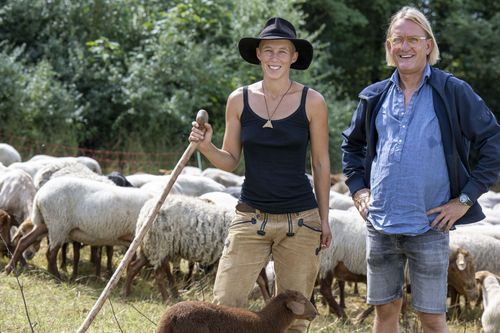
<point>248,45</point>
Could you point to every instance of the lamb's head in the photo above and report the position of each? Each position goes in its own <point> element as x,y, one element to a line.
<point>300,306</point>
<point>18,232</point>
<point>482,275</point>
<point>461,272</point>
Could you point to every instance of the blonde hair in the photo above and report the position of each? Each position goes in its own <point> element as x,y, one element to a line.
<point>417,17</point>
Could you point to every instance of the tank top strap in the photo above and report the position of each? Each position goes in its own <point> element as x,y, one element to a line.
<point>245,97</point>
<point>303,98</point>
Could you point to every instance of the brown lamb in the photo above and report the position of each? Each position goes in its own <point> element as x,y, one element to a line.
<point>203,317</point>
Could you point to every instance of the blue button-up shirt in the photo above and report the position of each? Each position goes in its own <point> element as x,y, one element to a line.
<point>409,174</point>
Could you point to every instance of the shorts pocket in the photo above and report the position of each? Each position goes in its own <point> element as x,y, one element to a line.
<point>243,218</point>
<point>310,220</point>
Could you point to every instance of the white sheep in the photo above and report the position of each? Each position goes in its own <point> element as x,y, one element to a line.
<point>8,154</point>
<point>490,288</point>
<point>34,165</point>
<point>223,177</point>
<point>17,192</point>
<point>185,184</point>
<point>340,201</point>
<point>489,199</point>
<point>220,198</point>
<point>61,168</point>
<point>276,316</point>
<point>80,210</point>
<point>187,227</point>
<point>483,229</point>
<point>484,249</point>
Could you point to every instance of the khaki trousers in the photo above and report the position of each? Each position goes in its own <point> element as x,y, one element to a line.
<point>292,239</point>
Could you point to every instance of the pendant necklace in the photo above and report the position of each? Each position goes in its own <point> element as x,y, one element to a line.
<point>268,123</point>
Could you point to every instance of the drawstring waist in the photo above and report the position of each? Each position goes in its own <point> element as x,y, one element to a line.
<point>246,208</point>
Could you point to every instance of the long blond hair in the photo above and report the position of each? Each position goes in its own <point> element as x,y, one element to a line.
<point>417,17</point>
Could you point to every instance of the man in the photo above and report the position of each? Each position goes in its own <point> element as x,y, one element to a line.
<point>405,158</point>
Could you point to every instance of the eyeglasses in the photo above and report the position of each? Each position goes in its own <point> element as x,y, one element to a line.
<point>411,40</point>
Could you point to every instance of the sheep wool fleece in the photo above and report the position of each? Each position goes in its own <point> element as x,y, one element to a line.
<point>293,239</point>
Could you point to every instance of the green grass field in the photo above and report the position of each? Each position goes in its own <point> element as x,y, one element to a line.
<point>61,307</point>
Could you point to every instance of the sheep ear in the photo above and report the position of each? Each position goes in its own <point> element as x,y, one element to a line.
<point>461,263</point>
<point>296,307</point>
<point>13,232</point>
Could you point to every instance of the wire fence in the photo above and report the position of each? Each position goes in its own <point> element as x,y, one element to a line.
<point>125,162</point>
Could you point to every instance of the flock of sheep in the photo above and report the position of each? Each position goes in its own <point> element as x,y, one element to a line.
<point>69,201</point>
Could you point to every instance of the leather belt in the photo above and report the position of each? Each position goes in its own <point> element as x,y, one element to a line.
<point>245,208</point>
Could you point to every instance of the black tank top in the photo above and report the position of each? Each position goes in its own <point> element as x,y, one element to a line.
<point>275,177</point>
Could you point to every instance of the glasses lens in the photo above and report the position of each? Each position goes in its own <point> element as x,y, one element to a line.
<point>411,40</point>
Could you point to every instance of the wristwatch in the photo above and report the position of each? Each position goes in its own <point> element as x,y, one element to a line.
<point>465,200</point>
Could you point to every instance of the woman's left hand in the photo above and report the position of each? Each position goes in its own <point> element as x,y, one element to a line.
<point>326,235</point>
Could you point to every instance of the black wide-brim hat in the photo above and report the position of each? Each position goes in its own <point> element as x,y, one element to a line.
<point>277,28</point>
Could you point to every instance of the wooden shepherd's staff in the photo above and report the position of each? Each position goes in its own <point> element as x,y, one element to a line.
<point>201,119</point>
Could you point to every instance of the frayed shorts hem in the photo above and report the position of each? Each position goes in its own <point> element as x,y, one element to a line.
<point>384,301</point>
<point>433,311</point>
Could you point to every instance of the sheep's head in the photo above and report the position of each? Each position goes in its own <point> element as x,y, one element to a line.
<point>461,273</point>
<point>17,233</point>
<point>300,306</point>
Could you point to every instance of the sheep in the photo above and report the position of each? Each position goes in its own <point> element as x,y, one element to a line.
<point>8,154</point>
<point>197,185</point>
<point>71,167</point>
<point>85,211</point>
<point>235,191</point>
<point>17,192</point>
<point>338,184</point>
<point>484,248</point>
<point>489,199</point>
<point>119,179</point>
<point>490,287</point>
<point>18,232</point>
<point>187,170</point>
<point>340,201</point>
<point>61,168</point>
<point>185,184</point>
<point>276,316</point>
<point>33,166</point>
<point>220,198</point>
<point>223,177</point>
<point>186,227</point>
<point>483,229</point>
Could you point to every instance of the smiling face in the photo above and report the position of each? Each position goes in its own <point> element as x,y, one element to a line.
<point>276,56</point>
<point>409,59</point>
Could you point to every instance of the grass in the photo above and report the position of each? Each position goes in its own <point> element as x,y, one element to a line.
<point>62,307</point>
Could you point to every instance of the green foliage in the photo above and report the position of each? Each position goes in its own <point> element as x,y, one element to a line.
<point>468,35</point>
<point>33,102</point>
<point>131,74</point>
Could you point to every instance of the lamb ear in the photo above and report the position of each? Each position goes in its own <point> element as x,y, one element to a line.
<point>296,307</point>
<point>461,263</point>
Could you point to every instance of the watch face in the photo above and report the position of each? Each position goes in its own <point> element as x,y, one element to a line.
<point>464,199</point>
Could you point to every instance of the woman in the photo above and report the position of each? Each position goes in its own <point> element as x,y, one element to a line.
<point>278,214</point>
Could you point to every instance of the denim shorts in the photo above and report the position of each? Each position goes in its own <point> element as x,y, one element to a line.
<point>427,256</point>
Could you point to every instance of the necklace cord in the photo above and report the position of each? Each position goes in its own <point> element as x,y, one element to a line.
<point>269,117</point>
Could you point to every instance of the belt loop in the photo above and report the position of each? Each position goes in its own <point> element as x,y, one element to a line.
<point>261,231</point>
<point>290,232</point>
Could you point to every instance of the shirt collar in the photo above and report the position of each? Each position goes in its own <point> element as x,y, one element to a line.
<point>427,73</point>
